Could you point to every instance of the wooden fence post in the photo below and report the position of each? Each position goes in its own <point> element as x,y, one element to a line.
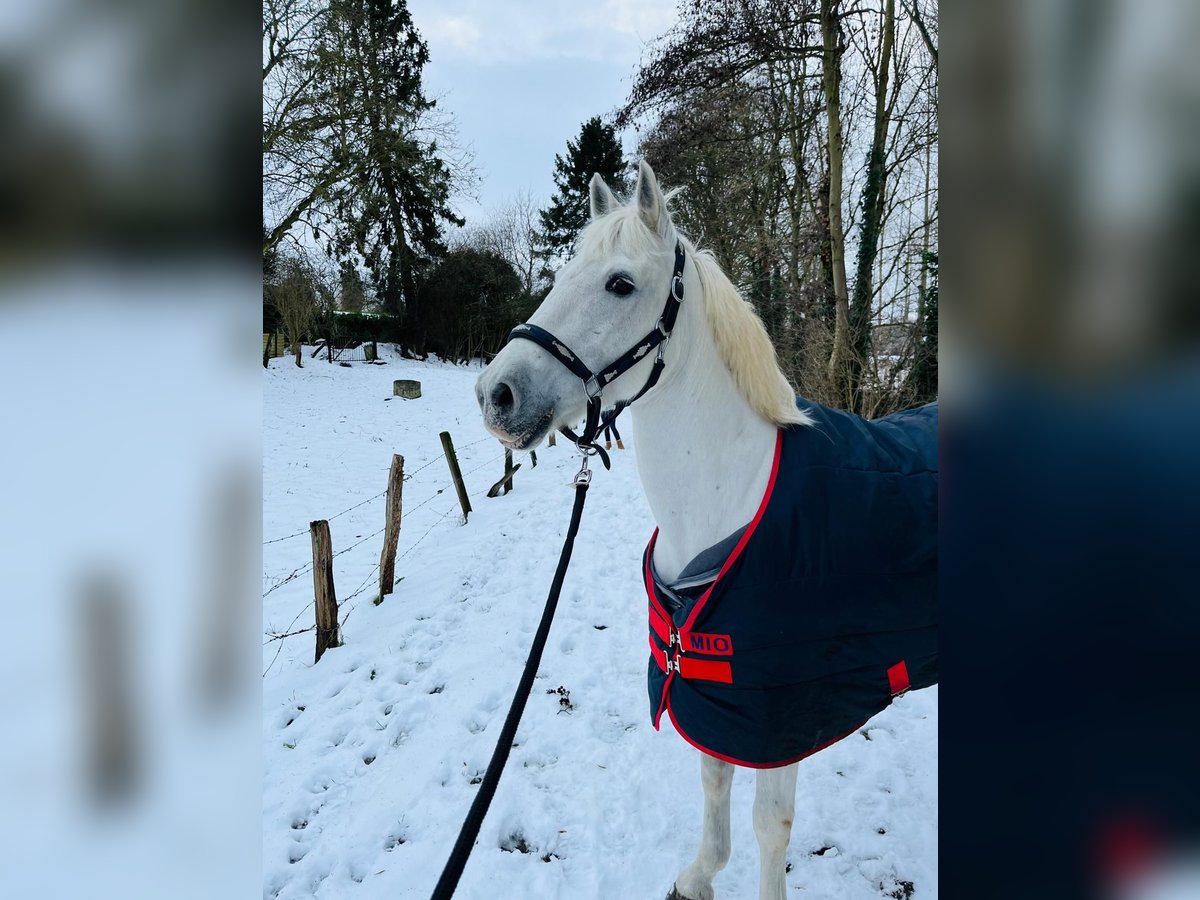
<point>551,441</point>
<point>391,534</point>
<point>324,595</point>
<point>505,484</point>
<point>115,749</point>
<point>456,474</point>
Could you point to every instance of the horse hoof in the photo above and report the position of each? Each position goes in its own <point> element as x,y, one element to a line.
<point>675,895</point>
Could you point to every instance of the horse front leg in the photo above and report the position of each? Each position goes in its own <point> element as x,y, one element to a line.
<point>695,882</point>
<point>774,805</point>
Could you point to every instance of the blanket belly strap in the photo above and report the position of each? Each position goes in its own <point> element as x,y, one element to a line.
<point>692,669</point>
<point>689,667</point>
<point>705,670</point>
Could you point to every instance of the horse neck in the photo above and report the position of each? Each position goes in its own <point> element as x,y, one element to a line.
<point>703,454</point>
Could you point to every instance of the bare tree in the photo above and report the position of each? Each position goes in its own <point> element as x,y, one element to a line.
<point>832,81</point>
<point>298,169</point>
<point>511,231</point>
<point>802,132</point>
<point>874,202</point>
<point>296,297</point>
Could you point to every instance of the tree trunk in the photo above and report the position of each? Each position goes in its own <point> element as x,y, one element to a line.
<point>831,81</point>
<point>873,197</point>
<point>924,246</point>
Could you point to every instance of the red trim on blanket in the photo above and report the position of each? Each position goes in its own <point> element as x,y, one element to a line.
<point>745,539</point>
<point>691,667</point>
<point>752,765</point>
<point>648,580</point>
<point>663,705</point>
<point>659,627</point>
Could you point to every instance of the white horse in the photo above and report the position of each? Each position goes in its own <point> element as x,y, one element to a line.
<point>705,434</point>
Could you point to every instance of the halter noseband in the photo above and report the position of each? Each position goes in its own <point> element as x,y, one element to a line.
<point>593,383</point>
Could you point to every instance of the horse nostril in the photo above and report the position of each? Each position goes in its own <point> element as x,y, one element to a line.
<point>502,397</point>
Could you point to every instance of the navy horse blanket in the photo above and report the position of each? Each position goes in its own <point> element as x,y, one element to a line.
<point>823,610</point>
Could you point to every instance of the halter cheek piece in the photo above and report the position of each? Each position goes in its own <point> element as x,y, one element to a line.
<point>593,383</point>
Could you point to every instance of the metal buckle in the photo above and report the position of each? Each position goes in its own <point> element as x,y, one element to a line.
<point>666,339</point>
<point>593,388</point>
<point>584,475</point>
<point>677,288</point>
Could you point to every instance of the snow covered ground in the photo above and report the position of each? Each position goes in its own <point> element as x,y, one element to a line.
<point>370,756</point>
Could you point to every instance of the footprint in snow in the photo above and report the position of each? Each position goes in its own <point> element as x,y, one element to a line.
<point>288,716</point>
<point>393,841</point>
<point>337,690</point>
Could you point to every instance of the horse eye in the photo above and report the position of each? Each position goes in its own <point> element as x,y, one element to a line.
<point>620,285</point>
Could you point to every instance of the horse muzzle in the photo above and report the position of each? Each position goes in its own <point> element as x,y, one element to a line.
<point>518,414</point>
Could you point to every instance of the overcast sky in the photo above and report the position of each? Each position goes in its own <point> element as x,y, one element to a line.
<point>521,76</point>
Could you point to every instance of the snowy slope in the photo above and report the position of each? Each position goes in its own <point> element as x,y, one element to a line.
<point>369,755</point>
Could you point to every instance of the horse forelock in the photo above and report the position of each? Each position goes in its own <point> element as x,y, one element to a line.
<point>618,232</point>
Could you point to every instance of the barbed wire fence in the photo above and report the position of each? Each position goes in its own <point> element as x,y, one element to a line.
<point>408,476</point>
<point>291,631</point>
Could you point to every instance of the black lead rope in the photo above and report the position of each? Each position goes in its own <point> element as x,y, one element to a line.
<point>594,385</point>
<point>491,778</point>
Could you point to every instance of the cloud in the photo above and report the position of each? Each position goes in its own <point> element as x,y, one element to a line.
<point>456,34</point>
<point>524,31</point>
<point>638,18</point>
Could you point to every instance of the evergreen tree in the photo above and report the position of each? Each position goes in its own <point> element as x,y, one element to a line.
<point>390,209</point>
<point>352,293</point>
<point>595,150</point>
<point>472,300</point>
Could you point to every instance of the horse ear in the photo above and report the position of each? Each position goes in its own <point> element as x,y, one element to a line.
<point>602,198</point>
<point>651,206</point>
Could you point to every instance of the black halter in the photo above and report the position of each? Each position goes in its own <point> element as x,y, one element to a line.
<point>593,383</point>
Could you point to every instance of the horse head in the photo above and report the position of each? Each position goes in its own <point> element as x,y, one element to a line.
<point>605,300</point>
